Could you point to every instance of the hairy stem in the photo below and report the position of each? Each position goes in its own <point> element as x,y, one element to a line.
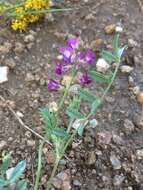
<point>38,173</point>
<point>49,183</point>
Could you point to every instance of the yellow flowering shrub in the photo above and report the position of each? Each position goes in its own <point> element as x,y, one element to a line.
<point>28,13</point>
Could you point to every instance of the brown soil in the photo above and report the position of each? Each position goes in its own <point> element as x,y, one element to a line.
<point>89,22</point>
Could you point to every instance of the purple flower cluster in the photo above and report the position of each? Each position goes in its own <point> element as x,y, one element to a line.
<point>71,56</point>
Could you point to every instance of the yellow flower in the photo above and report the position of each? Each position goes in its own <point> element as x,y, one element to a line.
<point>19,24</point>
<point>37,4</point>
<point>33,18</point>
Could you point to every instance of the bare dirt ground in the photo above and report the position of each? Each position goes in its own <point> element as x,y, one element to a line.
<point>110,157</point>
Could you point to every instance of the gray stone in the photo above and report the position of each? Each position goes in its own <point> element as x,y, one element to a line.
<point>115,162</point>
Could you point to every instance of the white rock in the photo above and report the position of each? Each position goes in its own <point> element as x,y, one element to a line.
<point>3,74</point>
<point>126,69</point>
<point>102,66</point>
<point>119,29</point>
<point>19,114</point>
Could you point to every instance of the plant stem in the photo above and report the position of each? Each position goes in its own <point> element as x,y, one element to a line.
<point>107,89</point>
<point>38,173</point>
<point>48,186</point>
<point>66,91</point>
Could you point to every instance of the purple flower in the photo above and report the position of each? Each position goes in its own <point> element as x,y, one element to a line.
<point>87,56</point>
<point>53,85</point>
<point>73,43</point>
<point>85,79</point>
<point>61,68</point>
<point>67,53</point>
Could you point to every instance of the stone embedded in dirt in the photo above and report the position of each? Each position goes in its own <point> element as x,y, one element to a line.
<point>10,63</point>
<point>90,17</point>
<point>138,120</point>
<point>49,155</point>
<point>132,43</point>
<point>110,29</point>
<point>95,44</point>
<point>119,29</point>
<point>31,143</point>
<point>29,38</point>
<point>140,98</point>
<point>139,154</point>
<point>115,162</point>
<point>104,138</point>
<point>66,185</point>
<point>128,126</point>
<point>5,48</point>
<point>126,69</point>
<point>19,47</point>
<point>102,65</point>
<point>136,90</point>
<point>118,180</point>
<point>3,144</point>
<point>57,183</point>
<point>3,74</point>
<point>76,183</point>
<point>131,81</point>
<point>62,180</point>
<point>91,158</point>
<point>117,139</point>
<point>29,77</point>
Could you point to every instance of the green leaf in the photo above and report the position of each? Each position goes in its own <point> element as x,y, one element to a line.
<point>120,51</point>
<point>100,77</point>
<point>22,185</point>
<point>75,103</point>
<point>49,117</point>
<point>18,171</point>
<point>108,56</point>
<point>3,182</point>
<point>5,164</point>
<point>86,95</point>
<point>81,130</point>
<point>59,132</point>
<point>95,105</point>
<point>73,113</point>
<point>116,43</point>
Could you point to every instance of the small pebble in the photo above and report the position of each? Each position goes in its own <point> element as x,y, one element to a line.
<point>102,66</point>
<point>118,180</point>
<point>126,69</point>
<point>115,162</point>
<point>3,144</point>
<point>129,126</point>
<point>3,74</point>
<point>110,29</point>
<point>140,98</point>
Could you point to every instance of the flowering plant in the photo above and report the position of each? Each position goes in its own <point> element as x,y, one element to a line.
<point>26,12</point>
<point>75,66</point>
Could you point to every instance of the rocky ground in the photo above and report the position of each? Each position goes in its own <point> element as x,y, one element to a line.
<point>109,157</point>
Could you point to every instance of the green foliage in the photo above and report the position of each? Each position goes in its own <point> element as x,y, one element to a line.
<point>14,178</point>
<point>96,76</point>
<point>117,53</point>
<point>86,95</point>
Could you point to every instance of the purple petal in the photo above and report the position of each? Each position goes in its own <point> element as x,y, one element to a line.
<point>61,68</point>
<point>85,79</point>
<point>73,43</point>
<point>90,56</point>
<point>67,53</point>
<point>87,56</point>
<point>53,85</point>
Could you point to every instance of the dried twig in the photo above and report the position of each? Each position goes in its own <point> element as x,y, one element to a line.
<point>140,4</point>
<point>25,126</point>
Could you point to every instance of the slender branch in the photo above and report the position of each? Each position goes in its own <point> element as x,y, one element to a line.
<point>25,126</point>
<point>38,173</point>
